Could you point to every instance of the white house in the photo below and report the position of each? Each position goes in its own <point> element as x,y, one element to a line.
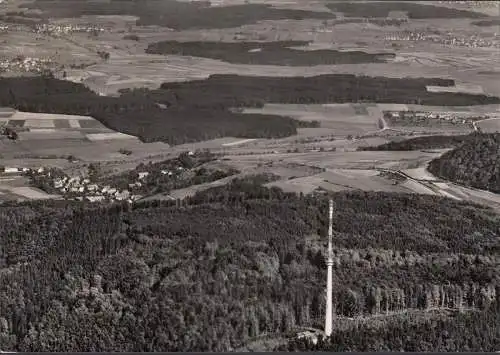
<point>95,198</point>
<point>9,170</point>
<point>143,174</point>
<point>122,195</point>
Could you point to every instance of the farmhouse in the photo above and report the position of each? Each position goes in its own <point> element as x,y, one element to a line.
<point>95,198</point>
<point>120,196</point>
<point>8,170</point>
<point>58,183</point>
<point>143,174</point>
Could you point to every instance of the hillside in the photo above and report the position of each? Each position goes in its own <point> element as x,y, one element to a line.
<point>235,262</point>
<point>199,110</point>
<point>475,163</point>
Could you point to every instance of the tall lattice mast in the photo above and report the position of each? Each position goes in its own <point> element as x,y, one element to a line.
<point>329,278</point>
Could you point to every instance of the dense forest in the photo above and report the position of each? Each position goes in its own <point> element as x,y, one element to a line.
<point>139,114</point>
<point>475,163</point>
<point>202,109</point>
<point>461,332</point>
<point>424,142</point>
<point>178,15</point>
<point>265,53</point>
<point>240,261</point>
<point>236,90</point>
<point>414,11</point>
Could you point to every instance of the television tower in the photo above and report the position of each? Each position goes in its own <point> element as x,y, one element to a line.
<point>329,278</point>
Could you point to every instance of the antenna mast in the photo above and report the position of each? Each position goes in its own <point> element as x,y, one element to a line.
<point>329,278</point>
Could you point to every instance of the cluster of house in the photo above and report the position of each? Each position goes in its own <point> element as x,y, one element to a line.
<point>4,28</point>
<point>417,116</point>
<point>78,188</point>
<point>449,39</point>
<point>474,3</point>
<point>28,64</point>
<point>85,189</point>
<point>66,29</point>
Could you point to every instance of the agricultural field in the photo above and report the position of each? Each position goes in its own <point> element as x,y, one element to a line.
<point>66,141</point>
<point>129,65</point>
<point>342,119</point>
<point>287,104</point>
<point>17,188</point>
<point>491,125</point>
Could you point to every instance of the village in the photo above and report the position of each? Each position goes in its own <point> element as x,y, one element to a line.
<point>447,39</point>
<point>126,187</point>
<point>80,188</point>
<point>59,30</point>
<point>26,64</point>
<point>418,117</point>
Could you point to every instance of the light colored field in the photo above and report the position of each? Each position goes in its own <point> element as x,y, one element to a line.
<point>417,188</point>
<point>341,118</point>
<point>474,195</point>
<point>39,123</point>
<point>74,123</point>
<point>190,191</point>
<point>441,185</point>
<point>420,173</point>
<point>490,125</point>
<point>449,195</point>
<point>239,142</point>
<point>305,185</point>
<point>32,193</point>
<point>42,134</point>
<point>464,88</point>
<point>393,107</point>
<point>32,116</point>
<point>340,180</point>
<point>346,160</point>
<point>109,136</point>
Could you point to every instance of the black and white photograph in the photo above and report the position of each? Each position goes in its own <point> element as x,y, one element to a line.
<point>249,176</point>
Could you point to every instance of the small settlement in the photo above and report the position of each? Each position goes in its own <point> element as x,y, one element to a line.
<point>447,39</point>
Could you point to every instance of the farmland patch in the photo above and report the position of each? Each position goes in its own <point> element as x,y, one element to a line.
<point>489,126</point>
